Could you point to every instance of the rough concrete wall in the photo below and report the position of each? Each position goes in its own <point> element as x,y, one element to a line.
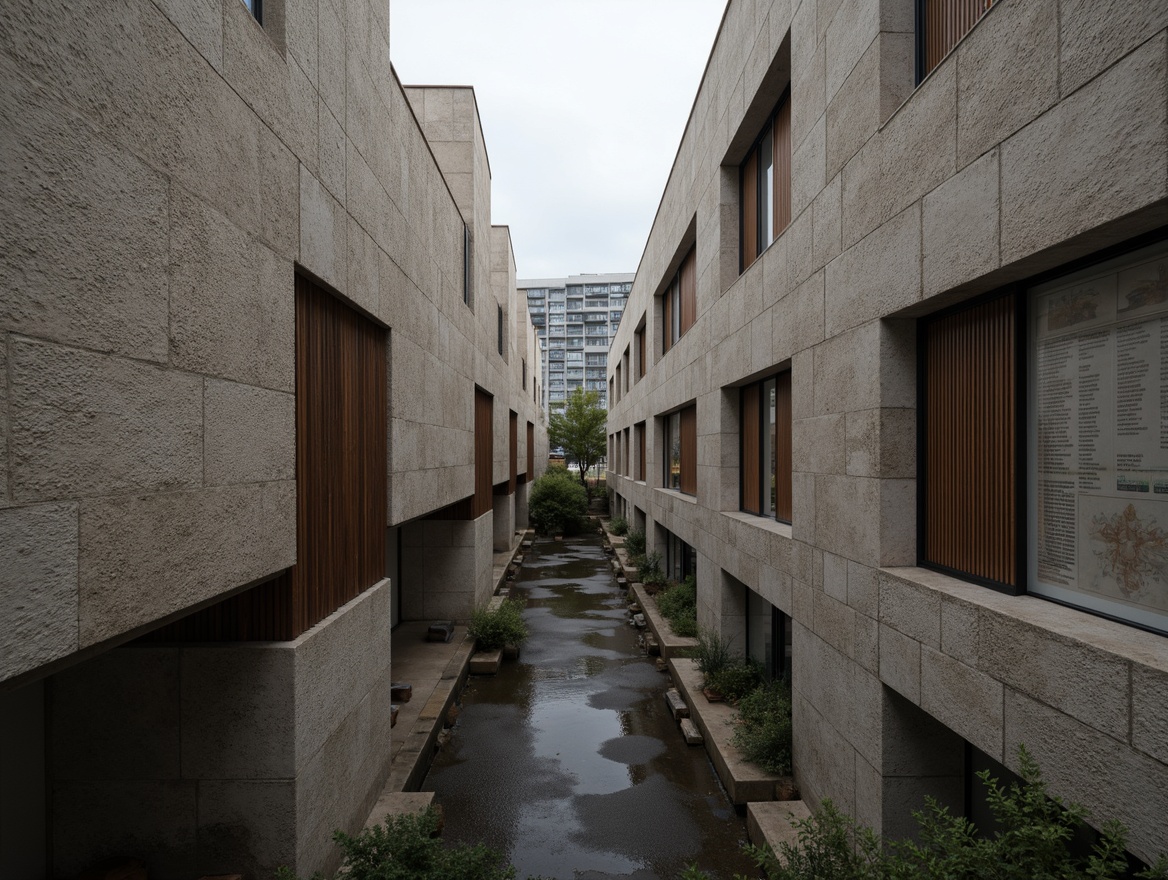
<point>212,759</point>
<point>1003,163</point>
<point>446,567</point>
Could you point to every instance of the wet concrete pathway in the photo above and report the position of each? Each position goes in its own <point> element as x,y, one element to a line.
<point>568,761</point>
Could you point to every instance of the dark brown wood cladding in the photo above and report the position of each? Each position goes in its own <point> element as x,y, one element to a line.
<point>484,451</point>
<point>530,451</point>
<point>688,279</point>
<point>667,342</point>
<point>782,166</point>
<point>641,364</point>
<point>689,450</point>
<point>782,446</point>
<point>750,209</point>
<point>341,444</point>
<point>945,22</point>
<point>751,434</point>
<point>641,443</point>
<point>969,439</point>
<point>513,453</point>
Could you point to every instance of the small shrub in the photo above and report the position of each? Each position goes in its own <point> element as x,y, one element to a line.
<point>713,653</point>
<point>763,733</point>
<point>635,542</point>
<point>679,604</point>
<point>736,679</point>
<point>619,526</point>
<point>649,570</point>
<point>557,504</point>
<point>503,626</point>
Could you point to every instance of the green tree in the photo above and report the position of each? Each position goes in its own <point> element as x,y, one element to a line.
<point>579,428</point>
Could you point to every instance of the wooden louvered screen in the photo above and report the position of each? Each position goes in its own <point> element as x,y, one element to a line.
<point>782,447</point>
<point>641,363</point>
<point>628,452</point>
<point>484,452</point>
<point>782,166</point>
<point>341,444</point>
<point>688,279</point>
<point>667,341</point>
<point>969,451</point>
<point>530,452</point>
<point>641,443</point>
<point>512,453</point>
<point>750,210</point>
<point>689,451</point>
<point>751,479</point>
<point>941,26</point>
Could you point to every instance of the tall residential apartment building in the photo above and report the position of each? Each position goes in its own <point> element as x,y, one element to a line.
<point>892,382</point>
<point>576,318</point>
<point>267,388</point>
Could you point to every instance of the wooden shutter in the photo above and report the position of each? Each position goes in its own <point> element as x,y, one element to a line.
<point>945,23</point>
<point>641,452</point>
<point>782,441</point>
<point>641,353</point>
<point>530,452</point>
<point>751,481</point>
<point>688,281</point>
<point>484,448</point>
<point>667,341</point>
<point>689,451</point>
<point>782,166</point>
<point>969,455</point>
<point>749,199</point>
<point>512,453</point>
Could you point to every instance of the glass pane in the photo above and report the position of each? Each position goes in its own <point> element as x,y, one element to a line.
<point>673,452</point>
<point>768,447</point>
<point>766,190</point>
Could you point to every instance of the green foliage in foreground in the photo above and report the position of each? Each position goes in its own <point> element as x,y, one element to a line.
<point>557,504</point>
<point>635,543</point>
<point>763,733</point>
<point>1034,830</point>
<point>618,526</point>
<point>679,604</point>
<point>408,848</point>
<point>501,627</point>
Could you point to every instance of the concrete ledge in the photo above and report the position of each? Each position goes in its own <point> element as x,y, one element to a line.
<point>770,823</point>
<point>398,803</point>
<point>671,645</point>
<point>486,662</point>
<point>744,782</point>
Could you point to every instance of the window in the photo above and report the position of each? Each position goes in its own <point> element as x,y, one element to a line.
<point>639,339</point>
<point>680,301</point>
<point>628,454</point>
<point>680,558</point>
<point>940,26</point>
<point>765,430</point>
<point>625,362</point>
<point>681,448</point>
<point>765,184</point>
<point>768,636</point>
<point>500,329</point>
<point>484,447</point>
<point>466,264</point>
<point>639,431</point>
<point>1044,438</point>
<point>256,8</point>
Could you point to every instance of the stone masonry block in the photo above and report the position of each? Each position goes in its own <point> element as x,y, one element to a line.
<point>853,113</point>
<point>323,228</point>
<point>817,444</point>
<point>91,424</point>
<point>835,576</point>
<point>5,418</point>
<point>250,434</point>
<point>143,557</point>
<point>882,443</point>
<point>912,610</point>
<point>201,22</point>
<point>965,700</point>
<point>827,223</point>
<point>38,586</point>
<point>1071,676</point>
<point>233,309</point>
<point>863,589</point>
<point>808,167</point>
<point>960,225</point>
<point>103,285</point>
<point>247,826</point>
<point>900,663</point>
<point>834,623</point>
<point>134,692</point>
<point>1150,711</point>
<point>847,516</point>
<point>959,631</point>
<point>1016,43</point>
<point>1093,35</point>
<point>238,712</point>
<point>853,28</point>
<point>866,640</point>
<point>1096,156</point>
<point>797,321</point>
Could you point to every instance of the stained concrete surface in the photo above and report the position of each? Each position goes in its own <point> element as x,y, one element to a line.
<point>568,760</point>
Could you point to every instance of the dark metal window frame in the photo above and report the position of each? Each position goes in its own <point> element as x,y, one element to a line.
<point>742,447</point>
<point>767,127</point>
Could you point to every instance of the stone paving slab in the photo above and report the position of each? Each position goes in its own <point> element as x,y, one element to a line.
<point>769,822</point>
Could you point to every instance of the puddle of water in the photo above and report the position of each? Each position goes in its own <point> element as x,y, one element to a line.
<point>568,761</point>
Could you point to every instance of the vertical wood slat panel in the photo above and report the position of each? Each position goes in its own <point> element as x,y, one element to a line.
<point>530,452</point>
<point>970,480</point>
<point>782,167</point>
<point>484,447</point>
<point>751,434</point>
<point>667,342</point>
<point>946,22</point>
<point>512,452</point>
<point>750,210</point>
<point>641,444</point>
<point>688,278</point>
<point>782,442</point>
<point>689,451</point>
<point>641,353</point>
<point>628,452</point>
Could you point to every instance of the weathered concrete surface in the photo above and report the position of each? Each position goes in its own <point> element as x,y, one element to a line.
<point>770,822</point>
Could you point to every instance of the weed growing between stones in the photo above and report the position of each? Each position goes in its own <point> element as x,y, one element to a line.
<point>763,733</point>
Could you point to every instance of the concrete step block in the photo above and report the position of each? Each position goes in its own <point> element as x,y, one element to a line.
<point>401,692</point>
<point>486,662</point>
<point>676,704</point>
<point>693,736</point>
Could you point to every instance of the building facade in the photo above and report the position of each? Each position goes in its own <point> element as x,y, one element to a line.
<point>576,318</point>
<point>891,383</point>
<point>268,388</point>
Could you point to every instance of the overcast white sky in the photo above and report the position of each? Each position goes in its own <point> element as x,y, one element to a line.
<point>583,103</point>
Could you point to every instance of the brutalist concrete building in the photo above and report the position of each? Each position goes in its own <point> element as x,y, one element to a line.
<point>892,382</point>
<point>266,388</point>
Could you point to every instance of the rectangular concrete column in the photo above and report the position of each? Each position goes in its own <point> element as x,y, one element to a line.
<point>503,529</point>
<point>446,567</point>
<point>521,517</point>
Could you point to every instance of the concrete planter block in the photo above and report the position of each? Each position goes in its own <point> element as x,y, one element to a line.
<point>486,662</point>
<point>676,704</point>
<point>400,692</point>
<point>693,736</point>
<point>511,652</point>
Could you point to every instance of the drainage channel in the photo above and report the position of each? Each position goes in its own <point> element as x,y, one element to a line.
<point>568,760</point>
